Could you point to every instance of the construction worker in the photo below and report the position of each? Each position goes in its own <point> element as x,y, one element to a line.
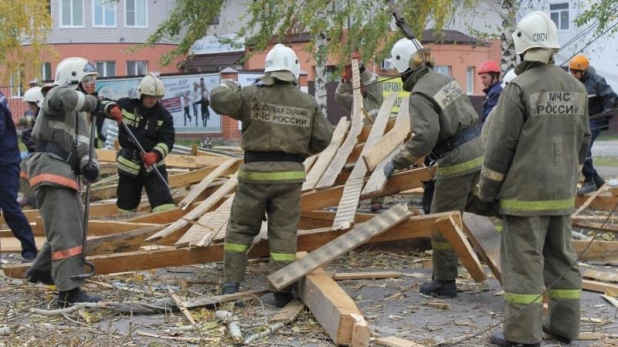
<point>508,77</point>
<point>34,99</point>
<point>153,126</point>
<point>489,72</point>
<point>62,153</point>
<point>445,126</point>
<point>371,91</point>
<point>533,189</point>
<point>601,98</point>
<point>281,126</point>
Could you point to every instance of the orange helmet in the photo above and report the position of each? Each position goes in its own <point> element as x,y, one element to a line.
<point>489,66</point>
<point>579,62</point>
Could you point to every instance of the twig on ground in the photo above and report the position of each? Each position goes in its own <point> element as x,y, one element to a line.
<point>232,324</point>
<point>271,329</point>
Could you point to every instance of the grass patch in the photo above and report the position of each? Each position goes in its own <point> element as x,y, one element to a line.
<point>605,161</point>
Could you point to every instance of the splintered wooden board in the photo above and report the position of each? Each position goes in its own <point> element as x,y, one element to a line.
<point>208,180</point>
<point>217,223</point>
<point>354,184</point>
<point>453,234</point>
<point>207,226</point>
<point>595,286</point>
<point>199,210</point>
<point>325,158</point>
<point>308,163</point>
<point>329,177</point>
<point>376,153</point>
<point>339,246</point>
<point>289,313</point>
<point>378,180</point>
<point>486,239</point>
<point>604,276</point>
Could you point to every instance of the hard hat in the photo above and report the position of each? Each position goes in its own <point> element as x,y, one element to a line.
<point>282,58</point>
<point>489,66</point>
<point>579,62</point>
<point>151,85</point>
<point>73,70</point>
<point>508,77</point>
<point>402,53</point>
<point>535,30</point>
<point>35,96</point>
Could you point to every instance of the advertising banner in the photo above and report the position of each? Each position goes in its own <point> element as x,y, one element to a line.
<point>393,86</point>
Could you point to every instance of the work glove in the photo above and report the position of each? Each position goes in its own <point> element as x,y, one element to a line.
<point>114,112</point>
<point>389,169</point>
<point>149,158</point>
<point>90,172</point>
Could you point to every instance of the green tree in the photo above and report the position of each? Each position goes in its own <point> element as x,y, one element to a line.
<point>603,14</point>
<point>24,25</point>
<point>366,22</point>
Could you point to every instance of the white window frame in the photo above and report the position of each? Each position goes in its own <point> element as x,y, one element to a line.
<point>559,13</point>
<point>105,64</point>
<point>386,65</point>
<point>135,15</point>
<point>44,71</point>
<point>104,4</point>
<point>129,73</point>
<point>470,78</point>
<point>16,88</point>
<point>72,25</point>
<point>439,69</point>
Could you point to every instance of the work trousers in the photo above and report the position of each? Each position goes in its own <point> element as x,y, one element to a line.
<point>535,252</point>
<point>588,169</point>
<point>62,213</point>
<point>281,204</point>
<point>13,215</point>
<point>129,191</point>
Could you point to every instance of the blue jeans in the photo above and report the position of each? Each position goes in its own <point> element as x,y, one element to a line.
<point>13,216</point>
<point>588,170</point>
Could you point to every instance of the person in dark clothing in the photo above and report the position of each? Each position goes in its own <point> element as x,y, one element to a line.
<point>489,72</point>
<point>601,98</point>
<point>9,184</point>
<point>34,98</point>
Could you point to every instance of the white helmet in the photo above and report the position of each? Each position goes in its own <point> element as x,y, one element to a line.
<point>402,53</point>
<point>151,85</point>
<point>535,30</point>
<point>282,58</point>
<point>35,96</point>
<point>73,70</point>
<point>510,75</point>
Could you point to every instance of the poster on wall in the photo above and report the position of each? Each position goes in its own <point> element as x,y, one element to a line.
<point>183,99</point>
<point>390,86</point>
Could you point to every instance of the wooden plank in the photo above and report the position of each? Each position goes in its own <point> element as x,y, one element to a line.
<point>227,167</point>
<point>486,240</point>
<point>373,275</point>
<point>329,304</point>
<point>598,250</point>
<point>190,177</point>
<point>413,227</point>
<point>110,227</point>
<point>198,210</point>
<point>602,276</point>
<point>376,153</point>
<point>207,226</point>
<point>325,158</point>
<point>352,189</point>
<point>360,332</point>
<point>171,160</point>
<point>453,234</point>
<point>392,341</point>
<point>350,240</point>
<point>328,178</point>
<point>308,163</point>
<point>12,245</point>
<point>589,201</point>
<point>118,243</point>
<point>606,227</point>
<point>599,287</point>
<point>601,202</point>
<point>289,313</point>
<point>218,299</point>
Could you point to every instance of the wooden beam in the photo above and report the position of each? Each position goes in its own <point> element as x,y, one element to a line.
<point>330,305</point>
<point>606,227</point>
<point>110,227</point>
<point>309,161</point>
<point>360,331</point>
<point>453,234</point>
<point>171,160</point>
<point>372,275</point>
<point>589,200</point>
<point>486,240</point>
<point>602,276</point>
<point>601,202</point>
<point>117,243</point>
<point>350,240</point>
<point>392,341</point>
<point>289,313</point>
<point>599,287</point>
<point>202,233</point>
<point>353,186</point>
<point>327,155</point>
<point>598,250</point>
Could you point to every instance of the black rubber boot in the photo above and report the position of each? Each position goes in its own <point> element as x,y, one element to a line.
<point>282,299</point>
<point>598,181</point>
<point>588,187</point>
<point>230,288</point>
<point>35,276</point>
<point>75,295</point>
<point>440,288</point>
<point>558,338</point>
<point>497,338</point>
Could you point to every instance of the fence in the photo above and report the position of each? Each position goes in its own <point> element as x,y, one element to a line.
<point>16,105</point>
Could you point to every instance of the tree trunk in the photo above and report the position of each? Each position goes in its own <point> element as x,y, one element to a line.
<point>320,73</point>
<point>509,23</point>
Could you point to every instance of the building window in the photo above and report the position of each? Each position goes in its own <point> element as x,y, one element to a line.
<point>443,69</point>
<point>72,13</point>
<point>470,76</point>
<point>15,86</point>
<point>46,71</point>
<point>386,65</point>
<point>135,13</point>
<point>560,15</point>
<point>104,13</point>
<point>106,68</point>
<point>137,68</point>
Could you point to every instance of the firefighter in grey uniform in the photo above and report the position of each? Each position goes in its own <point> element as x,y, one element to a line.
<point>444,125</point>
<point>62,153</point>
<point>542,108</point>
<point>281,126</point>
